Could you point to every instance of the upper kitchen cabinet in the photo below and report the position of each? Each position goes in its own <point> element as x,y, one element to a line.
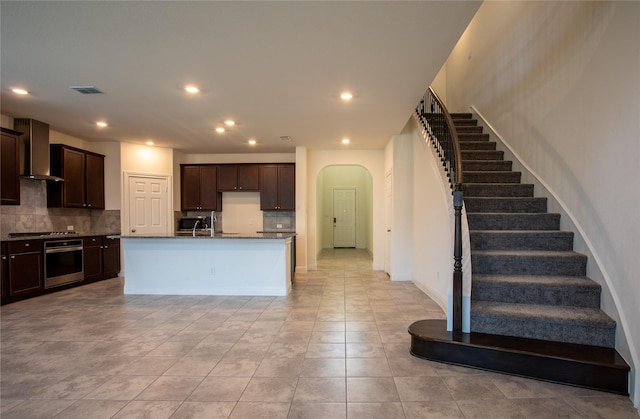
<point>277,187</point>
<point>83,174</point>
<point>198,188</point>
<point>10,167</point>
<point>238,177</point>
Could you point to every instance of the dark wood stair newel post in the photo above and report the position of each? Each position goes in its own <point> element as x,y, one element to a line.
<point>457,260</point>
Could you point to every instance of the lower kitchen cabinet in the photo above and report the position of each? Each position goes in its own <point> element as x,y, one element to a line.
<point>25,268</point>
<point>101,258</point>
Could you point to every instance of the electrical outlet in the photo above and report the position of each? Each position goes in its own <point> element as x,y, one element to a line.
<point>69,228</point>
<point>278,225</point>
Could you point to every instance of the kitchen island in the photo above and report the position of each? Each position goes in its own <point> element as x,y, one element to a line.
<point>227,264</point>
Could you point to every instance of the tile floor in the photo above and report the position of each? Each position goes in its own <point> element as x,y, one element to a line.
<point>336,347</point>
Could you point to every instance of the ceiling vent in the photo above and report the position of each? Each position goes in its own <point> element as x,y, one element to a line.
<point>86,90</point>
<point>285,138</point>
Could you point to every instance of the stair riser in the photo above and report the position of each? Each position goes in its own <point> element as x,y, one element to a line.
<point>467,129</point>
<point>465,123</point>
<point>574,265</point>
<point>482,155</point>
<point>532,294</point>
<point>516,205</point>
<point>486,165</point>
<point>559,241</point>
<point>473,137</point>
<point>477,145</point>
<point>461,115</point>
<point>498,190</point>
<point>491,177</point>
<point>544,221</point>
<point>534,329</point>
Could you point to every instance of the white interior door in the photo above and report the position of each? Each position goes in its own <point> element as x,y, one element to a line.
<point>148,206</point>
<point>344,218</point>
<point>388,194</point>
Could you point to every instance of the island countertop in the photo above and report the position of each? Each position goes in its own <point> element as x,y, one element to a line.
<point>226,264</point>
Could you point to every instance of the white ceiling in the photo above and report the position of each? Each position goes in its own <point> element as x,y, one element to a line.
<point>277,68</point>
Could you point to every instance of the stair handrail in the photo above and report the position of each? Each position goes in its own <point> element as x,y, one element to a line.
<point>437,122</point>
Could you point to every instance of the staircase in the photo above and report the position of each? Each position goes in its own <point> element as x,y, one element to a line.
<point>533,310</point>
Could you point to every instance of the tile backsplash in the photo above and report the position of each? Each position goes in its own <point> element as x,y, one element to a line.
<point>33,215</point>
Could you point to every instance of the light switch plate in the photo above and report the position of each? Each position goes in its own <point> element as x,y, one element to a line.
<point>278,225</point>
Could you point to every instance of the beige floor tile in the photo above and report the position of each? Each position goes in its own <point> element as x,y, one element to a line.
<point>391,410</point>
<point>438,409</point>
<point>270,389</point>
<point>208,410</point>
<point>121,388</point>
<point>259,410</point>
<point>371,389</point>
<point>170,388</point>
<point>219,389</point>
<point>368,367</point>
<point>90,409</point>
<point>313,410</point>
<point>317,389</point>
<point>148,409</point>
<point>340,336</point>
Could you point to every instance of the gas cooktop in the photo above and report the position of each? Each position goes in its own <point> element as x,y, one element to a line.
<point>42,233</point>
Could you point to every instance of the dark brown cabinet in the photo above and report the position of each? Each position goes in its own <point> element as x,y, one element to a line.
<point>83,174</point>
<point>25,268</point>
<point>238,177</point>
<point>101,257</point>
<point>198,188</point>
<point>10,167</point>
<point>277,187</point>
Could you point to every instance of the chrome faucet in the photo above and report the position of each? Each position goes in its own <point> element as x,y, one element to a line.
<point>194,228</point>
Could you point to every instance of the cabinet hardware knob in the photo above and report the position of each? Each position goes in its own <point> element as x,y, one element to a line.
<point>13,257</point>
<point>133,230</point>
<point>26,245</point>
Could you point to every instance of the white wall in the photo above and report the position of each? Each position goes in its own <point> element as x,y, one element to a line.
<point>373,161</point>
<point>559,82</point>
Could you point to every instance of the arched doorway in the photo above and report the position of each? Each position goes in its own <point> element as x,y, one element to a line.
<point>344,207</point>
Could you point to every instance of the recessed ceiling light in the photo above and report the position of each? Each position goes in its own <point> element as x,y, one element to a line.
<point>191,89</point>
<point>345,141</point>
<point>346,96</point>
<point>149,142</point>
<point>101,124</point>
<point>220,130</point>
<point>252,142</point>
<point>229,122</point>
<point>20,91</point>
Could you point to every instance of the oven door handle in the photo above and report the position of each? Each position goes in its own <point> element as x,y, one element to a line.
<point>63,249</point>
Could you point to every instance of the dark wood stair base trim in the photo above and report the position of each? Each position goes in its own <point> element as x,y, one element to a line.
<point>592,367</point>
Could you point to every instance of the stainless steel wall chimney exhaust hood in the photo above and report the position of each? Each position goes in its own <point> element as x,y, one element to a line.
<point>34,146</point>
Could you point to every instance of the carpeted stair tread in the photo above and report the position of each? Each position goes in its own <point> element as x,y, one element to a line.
<point>474,137</point>
<point>521,240</point>
<point>515,204</point>
<point>468,128</point>
<point>466,122</point>
<point>498,190</point>
<point>528,262</point>
<point>537,289</point>
<point>513,221</point>
<point>557,323</point>
<point>490,165</point>
<point>482,155</point>
<point>491,176</point>
<point>461,115</point>
<point>477,145</point>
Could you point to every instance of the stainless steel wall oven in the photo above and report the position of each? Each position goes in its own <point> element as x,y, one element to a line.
<point>62,262</point>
